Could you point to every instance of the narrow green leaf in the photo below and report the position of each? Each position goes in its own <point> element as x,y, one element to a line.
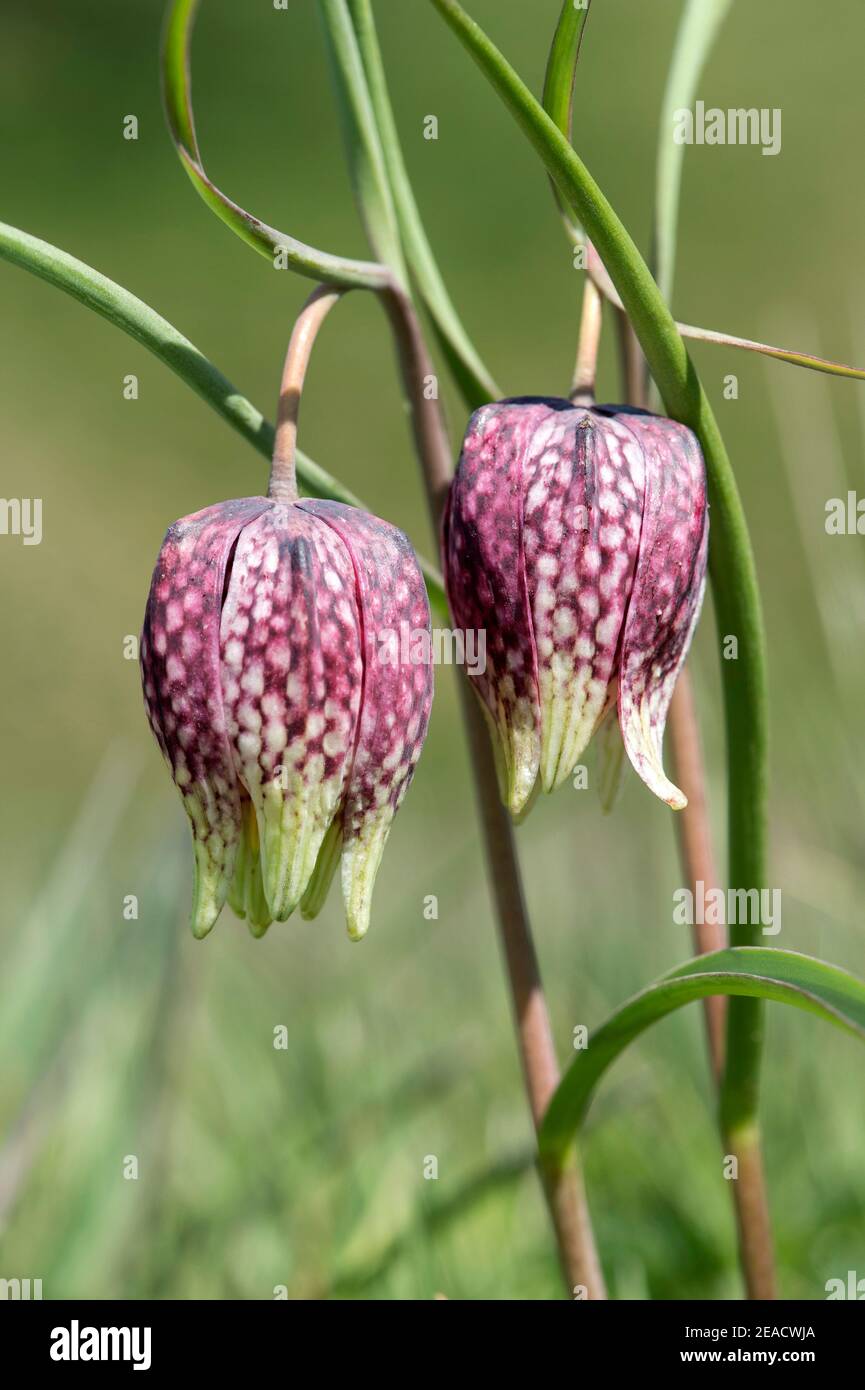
<point>366,160</point>
<point>791,355</point>
<point>698,27</point>
<point>562,65</point>
<point>731,560</point>
<point>474,380</point>
<point>268,241</point>
<point>709,335</point>
<point>133,316</point>
<point>559,81</point>
<point>751,971</point>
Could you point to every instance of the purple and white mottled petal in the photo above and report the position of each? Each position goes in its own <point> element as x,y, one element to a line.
<point>581,530</point>
<point>397,693</point>
<point>291,682</point>
<point>486,581</point>
<point>667,593</point>
<point>182,692</point>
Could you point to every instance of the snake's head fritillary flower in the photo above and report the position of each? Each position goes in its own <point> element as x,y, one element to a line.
<point>289,737</point>
<point>576,538</point>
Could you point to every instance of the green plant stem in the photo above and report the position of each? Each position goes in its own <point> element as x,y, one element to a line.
<point>731,562</point>
<point>476,385</point>
<point>371,184</point>
<point>558,95</point>
<point>698,28</point>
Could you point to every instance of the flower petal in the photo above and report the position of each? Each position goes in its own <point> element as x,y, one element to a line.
<point>246,895</point>
<point>486,581</point>
<point>581,531</point>
<point>667,593</point>
<point>182,691</point>
<point>291,679</point>
<point>397,693</point>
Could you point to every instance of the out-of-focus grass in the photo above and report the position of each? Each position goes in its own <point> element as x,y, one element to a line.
<point>305,1167</point>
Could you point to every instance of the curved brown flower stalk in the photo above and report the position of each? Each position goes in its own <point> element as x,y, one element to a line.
<point>586,366</point>
<point>283,480</point>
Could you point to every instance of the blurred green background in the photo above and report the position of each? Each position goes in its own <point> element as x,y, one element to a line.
<point>304,1167</point>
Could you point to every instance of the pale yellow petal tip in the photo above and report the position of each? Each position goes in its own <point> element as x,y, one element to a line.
<point>357,896</point>
<point>658,782</point>
<point>202,922</point>
<point>665,790</point>
<point>522,782</point>
<point>520,807</point>
<point>209,894</point>
<point>517,753</point>
<point>644,754</point>
<point>361,858</point>
<point>282,908</point>
<point>357,927</point>
<point>358,881</point>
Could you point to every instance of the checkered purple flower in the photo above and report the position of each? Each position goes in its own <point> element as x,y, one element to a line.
<point>576,538</point>
<point>290,740</point>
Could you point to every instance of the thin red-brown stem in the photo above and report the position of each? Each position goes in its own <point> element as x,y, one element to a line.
<point>695,845</point>
<point>753,1223</point>
<point>563,1187</point>
<point>586,366</point>
<point>283,480</point>
<point>750,1201</point>
<point>692,825</point>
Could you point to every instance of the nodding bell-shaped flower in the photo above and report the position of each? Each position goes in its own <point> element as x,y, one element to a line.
<point>288,735</point>
<point>576,538</point>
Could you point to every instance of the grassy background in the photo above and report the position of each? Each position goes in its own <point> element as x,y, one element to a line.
<point>304,1167</point>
